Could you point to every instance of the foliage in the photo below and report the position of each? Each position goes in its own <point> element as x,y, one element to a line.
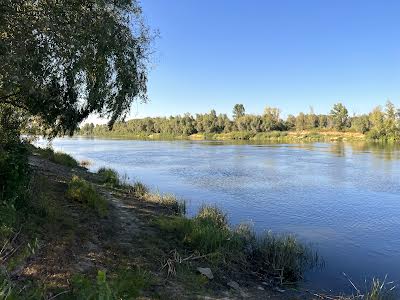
<point>62,60</point>
<point>238,111</point>
<point>13,157</point>
<point>209,234</point>
<point>109,176</point>
<point>82,191</point>
<point>340,116</point>
<point>378,125</point>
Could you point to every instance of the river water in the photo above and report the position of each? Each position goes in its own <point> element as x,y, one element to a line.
<point>343,199</point>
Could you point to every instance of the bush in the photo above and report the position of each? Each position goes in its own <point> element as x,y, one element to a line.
<point>82,191</point>
<point>109,177</point>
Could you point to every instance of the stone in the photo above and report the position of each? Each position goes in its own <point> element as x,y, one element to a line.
<point>206,272</point>
<point>234,285</point>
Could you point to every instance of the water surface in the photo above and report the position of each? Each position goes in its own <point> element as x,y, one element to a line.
<point>342,198</point>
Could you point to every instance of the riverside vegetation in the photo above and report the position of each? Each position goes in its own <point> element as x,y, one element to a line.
<point>171,246</point>
<point>382,124</point>
<point>68,234</point>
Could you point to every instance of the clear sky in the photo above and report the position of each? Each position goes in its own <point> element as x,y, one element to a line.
<point>291,54</point>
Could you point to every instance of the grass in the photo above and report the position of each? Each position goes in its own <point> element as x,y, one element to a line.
<point>58,157</point>
<point>109,177</point>
<point>376,289</point>
<point>85,163</point>
<point>139,189</point>
<point>82,191</point>
<point>209,233</point>
<point>124,284</point>
<point>169,201</point>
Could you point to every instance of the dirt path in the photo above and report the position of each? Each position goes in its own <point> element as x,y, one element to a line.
<point>80,242</point>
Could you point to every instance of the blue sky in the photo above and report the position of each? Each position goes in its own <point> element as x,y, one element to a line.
<point>290,54</point>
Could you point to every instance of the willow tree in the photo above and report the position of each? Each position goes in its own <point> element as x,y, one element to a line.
<point>63,60</point>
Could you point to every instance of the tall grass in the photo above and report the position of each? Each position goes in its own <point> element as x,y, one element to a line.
<point>210,234</point>
<point>109,177</point>
<point>82,191</point>
<point>58,157</point>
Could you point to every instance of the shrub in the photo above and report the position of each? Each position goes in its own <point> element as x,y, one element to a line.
<point>109,177</point>
<point>82,191</point>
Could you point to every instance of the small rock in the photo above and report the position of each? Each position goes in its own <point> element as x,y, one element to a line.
<point>234,285</point>
<point>206,272</point>
<point>260,288</point>
<point>279,290</point>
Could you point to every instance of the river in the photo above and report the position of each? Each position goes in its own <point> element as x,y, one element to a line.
<point>343,199</point>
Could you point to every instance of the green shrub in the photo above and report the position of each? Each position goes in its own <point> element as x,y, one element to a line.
<point>109,177</point>
<point>82,191</point>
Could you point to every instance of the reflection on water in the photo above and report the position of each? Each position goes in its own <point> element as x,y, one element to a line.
<point>343,198</point>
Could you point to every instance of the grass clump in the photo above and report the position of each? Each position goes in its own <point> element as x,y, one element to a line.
<point>58,157</point>
<point>380,290</point>
<point>209,233</point>
<point>142,192</point>
<point>139,189</point>
<point>125,284</point>
<point>82,191</point>
<point>109,177</point>
<point>376,289</point>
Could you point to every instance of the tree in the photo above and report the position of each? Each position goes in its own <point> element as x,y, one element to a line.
<point>301,121</point>
<point>340,116</point>
<point>390,119</point>
<point>238,111</point>
<point>377,120</point>
<point>62,60</point>
<point>271,118</point>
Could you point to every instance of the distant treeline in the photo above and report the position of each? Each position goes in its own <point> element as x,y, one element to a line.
<point>381,123</point>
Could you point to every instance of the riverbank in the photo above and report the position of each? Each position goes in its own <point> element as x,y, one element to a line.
<point>90,235</point>
<point>273,136</point>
